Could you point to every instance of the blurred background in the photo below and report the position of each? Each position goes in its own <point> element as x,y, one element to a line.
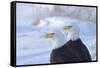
<point>37,12</point>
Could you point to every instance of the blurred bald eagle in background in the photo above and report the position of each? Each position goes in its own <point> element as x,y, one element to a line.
<point>70,49</point>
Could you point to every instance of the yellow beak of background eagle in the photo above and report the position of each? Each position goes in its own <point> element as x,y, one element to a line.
<point>49,35</point>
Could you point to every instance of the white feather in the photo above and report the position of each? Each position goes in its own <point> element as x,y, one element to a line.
<point>60,37</point>
<point>58,40</point>
<point>73,33</point>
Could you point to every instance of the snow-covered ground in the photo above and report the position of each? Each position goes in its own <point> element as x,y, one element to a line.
<point>32,48</point>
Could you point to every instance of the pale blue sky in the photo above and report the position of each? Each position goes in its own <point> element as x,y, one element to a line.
<point>24,14</point>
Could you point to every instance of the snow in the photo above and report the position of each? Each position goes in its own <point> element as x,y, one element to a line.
<point>32,47</point>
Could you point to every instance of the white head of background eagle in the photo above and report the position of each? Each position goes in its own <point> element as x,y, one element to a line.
<point>56,37</point>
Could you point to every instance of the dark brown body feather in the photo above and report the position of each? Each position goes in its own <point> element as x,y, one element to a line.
<point>72,51</point>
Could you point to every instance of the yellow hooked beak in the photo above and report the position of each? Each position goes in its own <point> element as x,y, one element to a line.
<point>67,27</point>
<point>49,35</point>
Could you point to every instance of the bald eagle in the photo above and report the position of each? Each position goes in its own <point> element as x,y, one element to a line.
<point>74,50</point>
